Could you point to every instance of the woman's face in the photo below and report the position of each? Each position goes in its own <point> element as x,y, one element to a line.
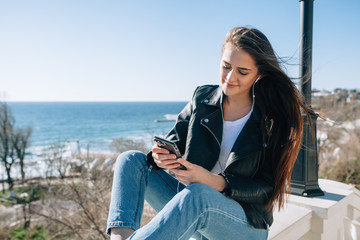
<point>238,71</point>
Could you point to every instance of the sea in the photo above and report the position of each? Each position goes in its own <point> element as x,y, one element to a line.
<point>92,125</point>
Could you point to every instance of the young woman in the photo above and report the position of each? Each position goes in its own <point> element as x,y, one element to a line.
<point>238,141</point>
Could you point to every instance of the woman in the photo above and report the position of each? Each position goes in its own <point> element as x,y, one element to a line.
<point>238,141</point>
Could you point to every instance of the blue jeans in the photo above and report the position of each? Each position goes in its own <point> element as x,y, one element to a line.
<point>182,212</point>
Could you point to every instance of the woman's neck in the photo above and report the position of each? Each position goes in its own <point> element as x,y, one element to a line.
<point>236,108</point>
<point>238,101</point>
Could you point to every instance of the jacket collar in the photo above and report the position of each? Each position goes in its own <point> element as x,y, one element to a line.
<point>214,98</point>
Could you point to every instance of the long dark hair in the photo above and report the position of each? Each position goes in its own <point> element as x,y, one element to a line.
<point>280,104</point>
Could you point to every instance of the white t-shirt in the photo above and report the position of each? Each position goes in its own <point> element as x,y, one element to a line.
<point>231,130</point>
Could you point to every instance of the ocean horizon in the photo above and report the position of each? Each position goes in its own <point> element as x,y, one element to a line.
<point>94,124</point>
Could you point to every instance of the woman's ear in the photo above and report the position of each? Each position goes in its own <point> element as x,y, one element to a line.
<point>258,78</point>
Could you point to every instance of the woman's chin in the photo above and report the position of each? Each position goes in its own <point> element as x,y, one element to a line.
<point>228,89</point>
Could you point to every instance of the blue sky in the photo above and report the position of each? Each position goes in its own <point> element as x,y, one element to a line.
<point>73,50</point>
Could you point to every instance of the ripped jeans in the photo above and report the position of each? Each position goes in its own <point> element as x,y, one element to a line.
<point>196,211</point>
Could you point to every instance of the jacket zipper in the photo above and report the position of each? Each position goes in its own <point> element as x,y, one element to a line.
<point>212,134</point>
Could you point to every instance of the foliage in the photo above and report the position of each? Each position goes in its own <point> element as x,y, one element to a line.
<point>78,208</point>
<point>56,162</point>
<point>121,145</point>
<point>37,192</point>
<point>35,233</point>
<point>339,152</point>
<point>346,171</point>
<point>5,233</point>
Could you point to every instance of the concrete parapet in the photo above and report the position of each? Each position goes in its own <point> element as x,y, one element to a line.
<point>334,216</point>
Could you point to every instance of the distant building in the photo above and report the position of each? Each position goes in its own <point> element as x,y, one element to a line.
<point>318,93</point>
<point>338,93</point>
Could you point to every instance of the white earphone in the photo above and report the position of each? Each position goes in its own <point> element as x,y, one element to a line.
<point>253,91</point>
<point>257,79</point>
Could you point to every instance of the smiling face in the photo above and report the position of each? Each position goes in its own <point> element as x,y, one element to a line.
<point>238,72</point>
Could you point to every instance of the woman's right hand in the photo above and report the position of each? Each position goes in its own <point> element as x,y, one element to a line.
<point>163,158</point>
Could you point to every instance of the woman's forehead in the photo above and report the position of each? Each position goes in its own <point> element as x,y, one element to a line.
<point>237,56</point>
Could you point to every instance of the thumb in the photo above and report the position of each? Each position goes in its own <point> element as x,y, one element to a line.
<point>184,162</point>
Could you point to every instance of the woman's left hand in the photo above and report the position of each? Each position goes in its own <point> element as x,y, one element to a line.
<point>197,174</point>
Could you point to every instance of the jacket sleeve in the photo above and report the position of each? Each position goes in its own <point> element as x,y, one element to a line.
<point>178,133</point>
<point>257,189</point>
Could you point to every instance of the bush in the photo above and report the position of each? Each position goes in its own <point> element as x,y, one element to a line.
<point>121,145</point>
<point>339,152</point>
<point>346,171</point>
<point>78,208</point>
<point>36,191</point>
<point>36,233</point>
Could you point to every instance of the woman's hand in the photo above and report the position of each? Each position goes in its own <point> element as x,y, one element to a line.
<point>197,174</point>
<point>163,158</point>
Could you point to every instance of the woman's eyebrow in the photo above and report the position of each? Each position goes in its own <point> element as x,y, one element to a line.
<point>246,69</point>
<point>241,68</point>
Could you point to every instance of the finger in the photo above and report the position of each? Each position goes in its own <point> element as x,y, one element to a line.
<point>164,157</point>
<point>184,162</point>
<point>168,164</point>
<point>180,172</point>
<point>155,156</point>
<point>157,149</point>
<point>160,163</point>
<point>173,166</point>
<point>175,171</point>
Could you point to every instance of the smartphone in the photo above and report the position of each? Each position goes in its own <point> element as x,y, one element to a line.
<point>169,145</point>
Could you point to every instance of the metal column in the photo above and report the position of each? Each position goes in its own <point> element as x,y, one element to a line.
<point>304,179</point>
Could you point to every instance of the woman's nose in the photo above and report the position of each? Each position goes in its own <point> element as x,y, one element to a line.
<point>230,75</point>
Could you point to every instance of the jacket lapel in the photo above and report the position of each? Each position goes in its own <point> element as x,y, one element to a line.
<point>214,120</point>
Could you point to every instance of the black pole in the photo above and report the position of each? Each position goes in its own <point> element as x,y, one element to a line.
<point>306,31</point>
<point>304,179</point>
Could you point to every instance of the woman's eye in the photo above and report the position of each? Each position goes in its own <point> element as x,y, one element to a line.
<point>240,72</point>
<point>226,67</point>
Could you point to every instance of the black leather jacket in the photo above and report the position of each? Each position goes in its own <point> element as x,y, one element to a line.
<point>198,134</point>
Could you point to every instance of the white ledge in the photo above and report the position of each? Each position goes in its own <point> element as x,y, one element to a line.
<point>336,215</point>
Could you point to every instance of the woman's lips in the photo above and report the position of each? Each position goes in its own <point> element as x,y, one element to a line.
<point>228,85</point>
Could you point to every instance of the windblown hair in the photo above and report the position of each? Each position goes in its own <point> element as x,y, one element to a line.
<point>280,104</point>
